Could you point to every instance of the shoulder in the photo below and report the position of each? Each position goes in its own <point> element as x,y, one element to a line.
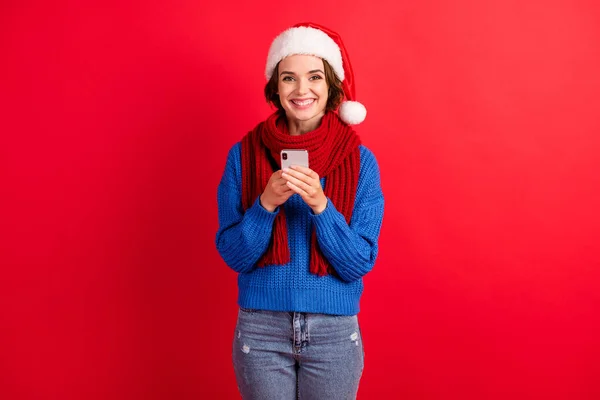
<point>366,153</point>
<point>368,161</point>
<point>235,151</point>
<point>234,156</point>
<point>233,167</point>
<point>368,190</point>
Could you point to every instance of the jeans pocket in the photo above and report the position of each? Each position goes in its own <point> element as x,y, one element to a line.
<point>248,310</point>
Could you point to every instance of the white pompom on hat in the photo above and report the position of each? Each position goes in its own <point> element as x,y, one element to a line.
<point>316,40</point>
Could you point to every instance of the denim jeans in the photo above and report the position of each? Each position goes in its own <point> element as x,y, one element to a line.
<point>294,355</point>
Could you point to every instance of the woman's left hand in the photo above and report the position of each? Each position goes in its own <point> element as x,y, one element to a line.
<point>306,183</point>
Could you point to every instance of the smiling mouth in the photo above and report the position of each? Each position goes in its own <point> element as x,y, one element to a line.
<point>303,103</point>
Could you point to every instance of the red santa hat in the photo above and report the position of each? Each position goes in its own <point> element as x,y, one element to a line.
<point>316,40</point>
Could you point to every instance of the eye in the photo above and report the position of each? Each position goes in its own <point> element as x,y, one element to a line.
<point>315,77</point>
<point>287,79</point>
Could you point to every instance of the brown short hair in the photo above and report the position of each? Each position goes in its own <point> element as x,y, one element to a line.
<point>335,93</point>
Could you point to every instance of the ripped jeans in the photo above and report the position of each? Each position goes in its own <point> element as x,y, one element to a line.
<point>294,355</point>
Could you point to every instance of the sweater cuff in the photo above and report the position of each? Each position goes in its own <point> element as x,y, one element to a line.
<point>259,221</point>
<point>259,205</point>
<point>326,216</point>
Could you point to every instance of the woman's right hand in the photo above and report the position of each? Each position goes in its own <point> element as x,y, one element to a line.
<point>276,193</point>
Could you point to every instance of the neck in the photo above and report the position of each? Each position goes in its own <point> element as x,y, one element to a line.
<point>297,127</point>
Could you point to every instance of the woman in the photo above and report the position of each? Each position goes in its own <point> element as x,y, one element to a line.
<point>301,238</point>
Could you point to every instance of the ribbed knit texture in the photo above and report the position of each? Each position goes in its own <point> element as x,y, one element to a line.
<point>351,249</point>
<point>334,155</point>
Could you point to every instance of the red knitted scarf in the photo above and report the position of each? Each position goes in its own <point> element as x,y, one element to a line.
<point>333,153</point>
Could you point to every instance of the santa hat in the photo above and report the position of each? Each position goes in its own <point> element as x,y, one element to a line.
<point>316,40</point>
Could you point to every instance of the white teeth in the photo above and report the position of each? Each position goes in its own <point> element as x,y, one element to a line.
<point>303,103</point>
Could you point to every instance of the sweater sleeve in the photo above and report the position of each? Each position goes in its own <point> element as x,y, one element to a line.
<point>242,237</point>
<point>352,248</point>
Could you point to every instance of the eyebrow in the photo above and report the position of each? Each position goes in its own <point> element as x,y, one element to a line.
<point>310,72</point>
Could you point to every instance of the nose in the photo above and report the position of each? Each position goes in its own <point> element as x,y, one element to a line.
<point>302,86</point>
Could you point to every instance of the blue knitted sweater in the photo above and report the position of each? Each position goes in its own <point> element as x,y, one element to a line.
<point>351,249</point>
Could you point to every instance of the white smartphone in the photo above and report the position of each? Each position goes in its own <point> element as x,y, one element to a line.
<point>294,157</point>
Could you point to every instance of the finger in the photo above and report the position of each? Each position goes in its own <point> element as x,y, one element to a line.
<point>289,171</point>
<point>290,174</point>
<point>288,194</point>
<point>281,183</point>
<point>282,189</point>
<point>278,186</point>
<point>304,170</point>
<point>286,189</point>
<point>299,183</point>
<point>296,189</point>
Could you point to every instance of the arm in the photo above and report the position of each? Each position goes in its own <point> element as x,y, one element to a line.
<point>242,237</point>
<point>352,249</point>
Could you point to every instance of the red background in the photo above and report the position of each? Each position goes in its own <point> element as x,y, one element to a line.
<point>116,118</point>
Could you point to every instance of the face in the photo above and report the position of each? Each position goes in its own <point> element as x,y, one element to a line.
<point>302,87</point>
